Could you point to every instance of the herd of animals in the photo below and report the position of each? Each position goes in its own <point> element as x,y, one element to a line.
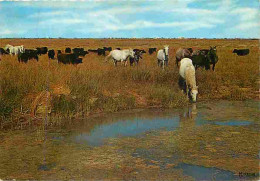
<point>187,59</point>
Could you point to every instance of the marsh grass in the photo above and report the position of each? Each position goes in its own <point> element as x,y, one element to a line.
<point>98,86</point>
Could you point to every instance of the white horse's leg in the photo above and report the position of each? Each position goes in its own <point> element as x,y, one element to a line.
<point>187,89</point>
<point>163,62</point>
<point>125,63</point>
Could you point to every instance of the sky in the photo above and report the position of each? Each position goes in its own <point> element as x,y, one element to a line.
<point>130,19</point>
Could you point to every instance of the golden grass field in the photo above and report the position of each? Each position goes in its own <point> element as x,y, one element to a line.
<point>96,86</point>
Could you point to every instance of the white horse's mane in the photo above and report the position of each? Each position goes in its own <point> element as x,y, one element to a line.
<point>190,77</point>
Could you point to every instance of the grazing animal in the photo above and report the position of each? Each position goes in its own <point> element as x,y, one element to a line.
<point>241,52</point>
<point>28,55</point>
<point>51,54</point>
<point>120,56</point>
<point>151,50</point>
<point>30,51</point>
<point>7,46</point>
<point>3,51</point>
<point>201,51</point>
<point>92,50</point>
<point>79,51</point>
<point>204,58</point>
<point>182,53</point>
<point>42,50</point>
<point>14,50</point>
<point>99,51</point>
<point>118,48</point>
<point>195,52</point>
<point>187,75</point>
<point>68,50</point>
<point>190,49</point>
<point>140,50</point>
<point>137,56</point>
<point>69,58</point>
<point>163,56</point>
<point>107,48</point>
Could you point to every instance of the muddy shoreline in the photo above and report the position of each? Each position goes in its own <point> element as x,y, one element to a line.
<point>214,138</point>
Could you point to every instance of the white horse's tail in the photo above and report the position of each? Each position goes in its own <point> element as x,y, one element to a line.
<point>108,57</point>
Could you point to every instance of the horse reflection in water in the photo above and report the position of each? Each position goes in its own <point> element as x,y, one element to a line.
<point>188,117</point>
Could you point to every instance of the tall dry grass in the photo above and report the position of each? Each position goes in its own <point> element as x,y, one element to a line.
<point>97,86</point>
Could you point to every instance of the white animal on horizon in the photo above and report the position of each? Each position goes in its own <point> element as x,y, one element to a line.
<point>187,73</point>
<point>14,50</point>
<point>163,56</point>
<point>120,56</point>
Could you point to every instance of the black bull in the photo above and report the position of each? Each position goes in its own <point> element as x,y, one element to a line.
<point>69,58</point>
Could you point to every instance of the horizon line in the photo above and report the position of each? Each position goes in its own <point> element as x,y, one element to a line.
<point>139,38</point>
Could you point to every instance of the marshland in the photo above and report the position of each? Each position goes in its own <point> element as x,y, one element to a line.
<point>78,120</point>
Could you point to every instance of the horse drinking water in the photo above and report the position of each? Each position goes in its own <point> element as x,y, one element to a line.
<point>187,75</point>
<point>120,56</point>
<point>163,56</point>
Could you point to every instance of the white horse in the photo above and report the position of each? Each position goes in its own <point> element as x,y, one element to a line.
<point>187,73</point>
<point>120,56</point>
<point>7,47</point>
<point>163,56</point>
<point>14,50</point>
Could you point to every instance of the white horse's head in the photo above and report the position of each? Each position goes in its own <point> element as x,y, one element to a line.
<point>22,49</point>
<point>166,50</point>
<point>194,92</point>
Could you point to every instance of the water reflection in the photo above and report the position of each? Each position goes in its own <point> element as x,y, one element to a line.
<point>121,128</point>
<point>96,130</point>
<point>204,173</point>
<point>138,126</point>
<point>188,116</point>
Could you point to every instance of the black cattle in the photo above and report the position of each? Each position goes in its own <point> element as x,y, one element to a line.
<point>51,54</point>
<point>99,51</point>
<point>30,51</point>
<point>190,49</point>
<point>68,50</point>
<point>137,56</point>
<point>69,58</point>
<point>107,48</point>
<point>151,50</point>
<point>92,50</point>
<point>79,51</point>
<point>28,55</point>
<point>3,51</point>
<point>204,58</point>
<point>241,52</point>
<point>118,48</point>
<point>42,50</point>
<point>140,50</point>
